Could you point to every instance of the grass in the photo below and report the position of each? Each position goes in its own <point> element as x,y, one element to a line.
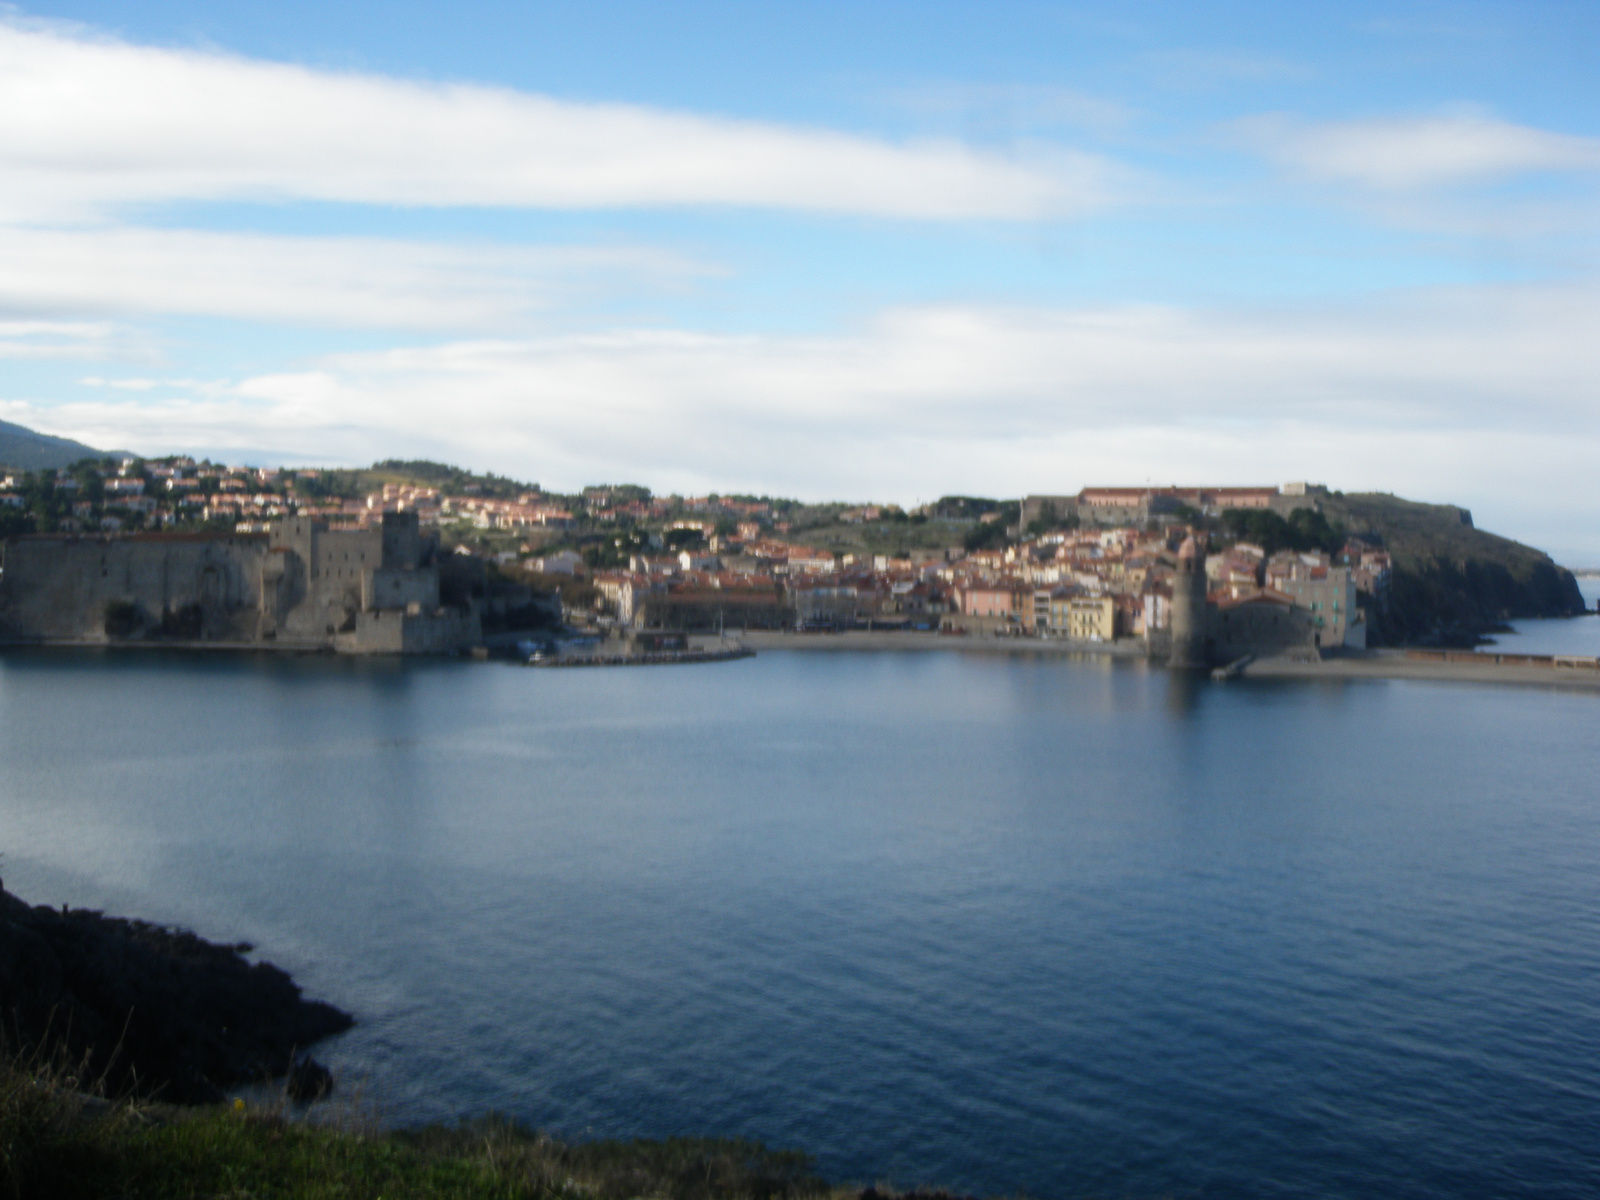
<point>57,1141</point>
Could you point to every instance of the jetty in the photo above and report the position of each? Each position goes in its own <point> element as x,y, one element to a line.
<point>648,658</point>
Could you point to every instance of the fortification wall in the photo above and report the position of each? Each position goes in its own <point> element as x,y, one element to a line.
<point>402,588</point>
<point>1260,629</point>
<point>370,590</point>
<point>61,587</point>
<point>407,633</point>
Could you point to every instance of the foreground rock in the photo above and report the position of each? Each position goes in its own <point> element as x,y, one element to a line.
<point>157,1012</point>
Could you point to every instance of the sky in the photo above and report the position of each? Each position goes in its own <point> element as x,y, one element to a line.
<point>857,251</point>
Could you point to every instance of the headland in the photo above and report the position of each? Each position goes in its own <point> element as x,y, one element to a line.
<point>150,1011</point>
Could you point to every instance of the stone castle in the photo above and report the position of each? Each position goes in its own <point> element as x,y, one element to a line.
<point>384,589</point>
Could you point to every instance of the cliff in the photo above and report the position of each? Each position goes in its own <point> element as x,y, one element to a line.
<point>152,1011</point>
<point>1452,581</point>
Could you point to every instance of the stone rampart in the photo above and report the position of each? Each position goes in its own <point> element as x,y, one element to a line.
<point>96,588</point>
<point>374,590</point>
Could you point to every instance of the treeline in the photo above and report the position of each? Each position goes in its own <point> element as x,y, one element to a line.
<point>1303,530</point>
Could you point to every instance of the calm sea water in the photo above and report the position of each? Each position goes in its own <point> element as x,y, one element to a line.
<point>1581,635</point>
<point>996,924</point>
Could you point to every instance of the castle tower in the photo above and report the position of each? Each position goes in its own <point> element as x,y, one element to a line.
<point>1189,607</point>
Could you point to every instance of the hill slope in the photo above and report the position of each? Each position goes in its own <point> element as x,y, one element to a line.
<point>1451,580</point>
<point>26,450</point>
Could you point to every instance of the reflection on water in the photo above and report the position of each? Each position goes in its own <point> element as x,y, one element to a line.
<point>995,923</point>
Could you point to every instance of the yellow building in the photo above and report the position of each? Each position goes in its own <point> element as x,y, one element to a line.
<point>1084,618</point>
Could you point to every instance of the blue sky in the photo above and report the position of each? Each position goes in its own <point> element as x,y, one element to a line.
<point>865,250</point>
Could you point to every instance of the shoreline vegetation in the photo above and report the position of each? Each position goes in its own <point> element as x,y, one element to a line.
<point>57,1139</point>
<point>119,1040</point>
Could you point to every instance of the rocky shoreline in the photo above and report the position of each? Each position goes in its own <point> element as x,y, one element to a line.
<point>151,1011</point>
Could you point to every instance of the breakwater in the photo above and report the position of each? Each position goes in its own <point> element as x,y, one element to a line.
<point>649,658</point>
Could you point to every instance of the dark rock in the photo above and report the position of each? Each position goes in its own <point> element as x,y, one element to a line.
<point>151,1011</point>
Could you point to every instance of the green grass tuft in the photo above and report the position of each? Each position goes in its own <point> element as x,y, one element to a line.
<point>57,1141</point>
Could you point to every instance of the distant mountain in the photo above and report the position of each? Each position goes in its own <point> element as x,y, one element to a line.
<point>25,450</point>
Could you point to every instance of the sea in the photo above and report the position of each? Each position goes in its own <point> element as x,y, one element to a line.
<point>995,924</point>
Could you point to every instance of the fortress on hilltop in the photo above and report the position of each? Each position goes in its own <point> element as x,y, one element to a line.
<point>384,589</point>
<point>1112,506</point>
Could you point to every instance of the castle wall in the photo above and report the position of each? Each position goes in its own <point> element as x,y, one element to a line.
<point>400,588</point>
<point>59,587</point>
<point>1034,507</point>
<point>370,590</point>
<point>407,633</point>
<point>1260,628</point>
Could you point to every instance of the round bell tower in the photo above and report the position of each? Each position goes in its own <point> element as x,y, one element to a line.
<point>1189,606</point>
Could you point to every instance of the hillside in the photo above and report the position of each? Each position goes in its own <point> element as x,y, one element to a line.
<point>352,482</point>
<point>1452,581</point>
<point>23,449</point>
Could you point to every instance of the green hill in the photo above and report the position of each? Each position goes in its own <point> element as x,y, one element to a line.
<point>1452,581</point>
<point>24,450</point>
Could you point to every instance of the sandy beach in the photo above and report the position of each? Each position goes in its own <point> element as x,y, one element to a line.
<point>858,639</point>
<point>1394,664</point>
<point>1372,664</point>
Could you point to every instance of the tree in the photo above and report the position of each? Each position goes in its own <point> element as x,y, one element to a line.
<point>680,539</point>
<point>1305,529</point>
<point>987,535</point>
<point>14,522</point>
<point>1049,520</point>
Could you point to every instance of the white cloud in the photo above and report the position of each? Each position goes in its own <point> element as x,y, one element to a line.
<point>54,340</point>
<point>1406,153</point>
<point>1483,396</point>
<point>314,281</point>
<point>87,123</point>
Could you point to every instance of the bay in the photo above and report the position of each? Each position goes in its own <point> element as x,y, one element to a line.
<point>1578,635</point>
<point>995,924</point>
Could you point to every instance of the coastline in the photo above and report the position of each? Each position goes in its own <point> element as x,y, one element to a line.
<point>1395,664</point>
<point>152,1011</point>
<point>875,640</point>
<point>1370,664</point>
